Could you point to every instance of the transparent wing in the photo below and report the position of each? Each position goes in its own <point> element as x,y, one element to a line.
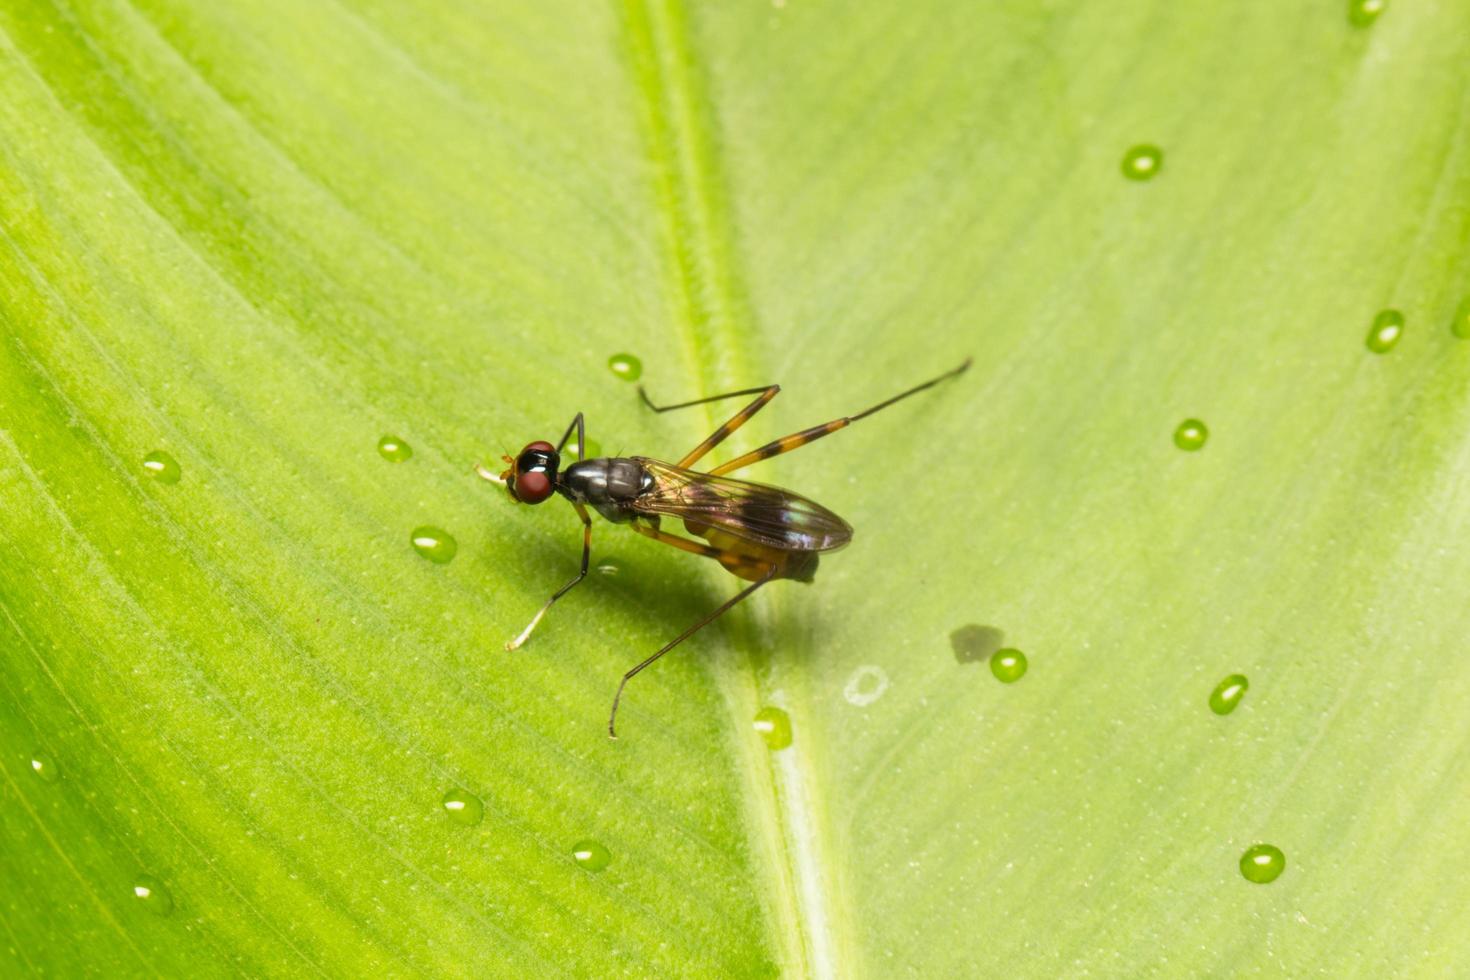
<point>754,511</point>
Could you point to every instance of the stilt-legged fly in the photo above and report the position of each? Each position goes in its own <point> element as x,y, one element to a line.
<point>757,532</point>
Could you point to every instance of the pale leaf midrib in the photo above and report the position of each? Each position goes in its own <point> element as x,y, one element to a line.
<point>710,314</point>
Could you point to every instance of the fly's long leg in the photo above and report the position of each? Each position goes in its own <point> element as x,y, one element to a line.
<point>726,607</point>
<point>763,398</point>
<point>696,547</point>
<point>757,390</point>
<point>581,437</point>
<point>796,440</point>
<point>783,445</point>
<point>586,554</point>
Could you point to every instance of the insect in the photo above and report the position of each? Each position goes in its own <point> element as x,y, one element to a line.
<point>757,532</point>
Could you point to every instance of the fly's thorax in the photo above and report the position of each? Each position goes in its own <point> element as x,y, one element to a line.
<point>611,480</point>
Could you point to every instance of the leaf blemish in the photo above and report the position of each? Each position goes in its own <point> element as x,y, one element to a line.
<point>866,685</point>
<point>972,642</point>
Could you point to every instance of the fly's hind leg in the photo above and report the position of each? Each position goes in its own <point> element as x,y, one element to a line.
<point>724,608</point>
<point>798,439</point>
<point>744,566</point>
<point>763,398</point>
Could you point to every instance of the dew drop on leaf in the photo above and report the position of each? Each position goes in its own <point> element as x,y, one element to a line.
<point>1143,162</point>
<point>973,642</point>
<point>1227,694</point>
<point>609,567</point>
<point>1008,665</point>
<point>43,765</point>
<point>463,807</point>
<point>774,726</point>
<point>1262,863</point>
<point>1460,325</point>
<point>394,449</point>
<point>1191,435</point>
<point>591,855</point>
<point>152,895</point>
<point>1387,328</point>
<point>162,467</point>
<point>1361,13</point>
<point>591,449</point>
<point>625,366</point>
<point>434,543</point>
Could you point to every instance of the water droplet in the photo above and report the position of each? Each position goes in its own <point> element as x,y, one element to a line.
<point>591,449</point>
<point>394,449</point>
<point>434,544</point>
<point>44,766</point>
<point>974,642</point>
<point>1460,325</point>
<point>1387,328</point>
<point>153,896</point>
<point>1008,665</point>
<point>591,855</point>
<point>609,567</point>
<point>774,725</point>
<point>1262,863</point>
<point>1143,162</point>
<point>625,366</point>
<point>1361,13</point>
<point>1191,435</point>
<point>1227,694</point>
<point>463,807</point>
<point>162,467</point>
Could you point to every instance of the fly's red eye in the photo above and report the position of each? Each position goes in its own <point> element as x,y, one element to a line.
<point>534,472</point>
<point>532,487</point>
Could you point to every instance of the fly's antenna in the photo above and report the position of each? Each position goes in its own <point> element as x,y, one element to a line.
<point>488,474</point>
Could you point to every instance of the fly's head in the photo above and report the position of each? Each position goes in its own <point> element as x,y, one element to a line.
<point>531,476</point>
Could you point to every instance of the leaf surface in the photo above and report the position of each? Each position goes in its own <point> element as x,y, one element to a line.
<point>259,236</point>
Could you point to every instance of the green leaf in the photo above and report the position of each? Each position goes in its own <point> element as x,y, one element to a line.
<point>246,728</point>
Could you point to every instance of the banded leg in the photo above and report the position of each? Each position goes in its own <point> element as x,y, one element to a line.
<point>724,608</point>
<point>581,437</point>
<point>725,558</point>
<point>586,554</point>
<point>796,440</point>
<point>763,398</point>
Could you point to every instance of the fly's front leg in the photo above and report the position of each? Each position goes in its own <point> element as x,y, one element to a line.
<point>581,439</point>
<point>586,556</point>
